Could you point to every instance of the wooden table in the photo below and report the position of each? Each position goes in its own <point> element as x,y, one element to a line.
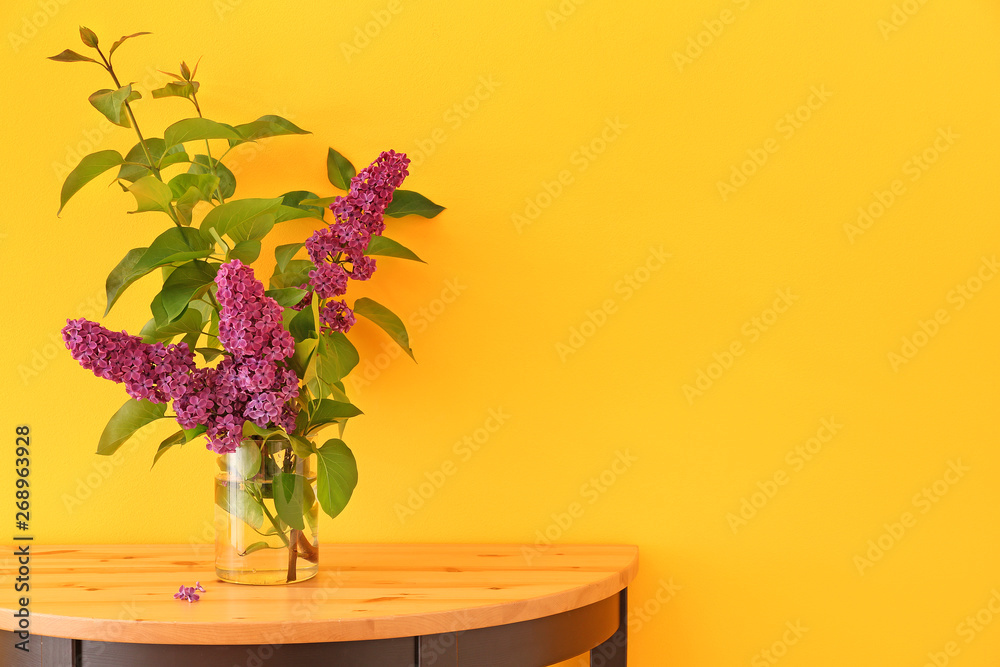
<point>385,604</point>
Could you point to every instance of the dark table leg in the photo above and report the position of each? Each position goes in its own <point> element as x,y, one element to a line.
<point>59,652</point>
<point>437,650</point>
<point>614,652</point>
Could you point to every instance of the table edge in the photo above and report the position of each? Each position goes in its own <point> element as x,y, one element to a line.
<point>331,630</point>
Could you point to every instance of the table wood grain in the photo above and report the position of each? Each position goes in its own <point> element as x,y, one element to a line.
<point>125,593</point>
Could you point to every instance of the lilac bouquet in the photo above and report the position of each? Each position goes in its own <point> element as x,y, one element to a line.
<point>257,371</point>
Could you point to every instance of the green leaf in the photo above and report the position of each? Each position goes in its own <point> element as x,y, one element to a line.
<point>303,327</point>
<point>287,296</point>
<point>289,498</point>
<point>174,155</point>
<point>192,433</point>
<point>162,156</point>
<point>122,276</point>
<point>88,37</point>
<point>204,183</point>
<point>256,546</point>
<point>251,429</point>
<point>265,126</point>
<point>336,357</point>
<point>235,214</point>
<point>111,103</point>
<point>386,247</point>
<point>123,424</point>
<point>284,253</point>
<point>296,273</point>
<point>304,350</point>
<point>245,461</point>
<point>339,170</point>
<point>386,319</point>
<point>90,167</point>
<point>69,56</point>
<point>196,129</point>
<point>114,47</point>
<point>182,437</point>
<point>183,284</point>
<point>296,197</point>
<point>246,251</point>
<point>253,229</point>
<point>227,181</point>
<point>209,353</point>
<point>177,244</point>
<point>184,206</point>
<point>171,441</point>
<point>324,411</point>
<point>185,89</point>
<point>295,213</point>
<point>336,476</point>
<point>234,500</point>
<point>191,322</point>
<point>321,203</point>
<point>302,447</point>
<point>151,194</point>
<point>407,202</point>
<point>156,308</point>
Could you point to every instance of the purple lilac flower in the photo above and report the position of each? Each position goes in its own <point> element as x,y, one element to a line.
<point>151,372</point>
<point>337,316</point>
<point>216,401</point>
<point>359,216</point>
<point>253,386</point>
<point>188,592</point>
<point>328,279</point>
<point>249,384</point>
<point>250,321</point>
<point>362,268</point>
<point>360,212</point>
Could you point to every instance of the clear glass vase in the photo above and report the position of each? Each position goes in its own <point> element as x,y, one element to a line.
<point>266,515</point>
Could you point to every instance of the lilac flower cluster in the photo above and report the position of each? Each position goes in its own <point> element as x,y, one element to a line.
<point>188,592</point>
<point>361,211</point>
<point>156,373</point>
<point>337,316</point>
<point>250,384</point>
<point>359,216</point>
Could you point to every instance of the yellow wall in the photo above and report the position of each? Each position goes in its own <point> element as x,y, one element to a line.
<point>514,337</point>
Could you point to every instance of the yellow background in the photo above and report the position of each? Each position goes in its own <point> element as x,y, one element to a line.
<point>521,292</point>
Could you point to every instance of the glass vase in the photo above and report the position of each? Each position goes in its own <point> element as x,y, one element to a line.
<point>266,515</point>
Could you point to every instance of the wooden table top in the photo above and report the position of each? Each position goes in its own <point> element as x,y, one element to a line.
<point>124,593</point>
